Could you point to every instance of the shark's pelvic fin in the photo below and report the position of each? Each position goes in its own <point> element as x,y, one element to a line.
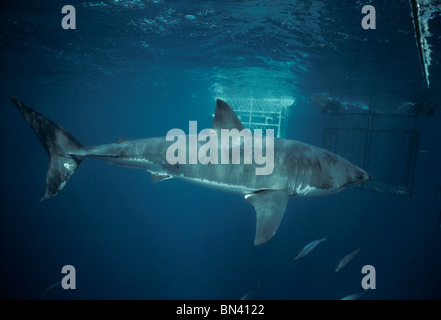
<point>158,177</point>
<point>270,207</point>
<point>225,118</point>
<point>58,144</point>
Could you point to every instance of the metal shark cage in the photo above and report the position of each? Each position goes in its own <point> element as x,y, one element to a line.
<point>384,144</point>
<point>265,113</point>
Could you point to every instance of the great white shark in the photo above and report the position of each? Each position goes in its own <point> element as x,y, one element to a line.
<point>299,169</point>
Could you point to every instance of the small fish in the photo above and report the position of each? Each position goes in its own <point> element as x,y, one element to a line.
<point>345,260</point>
<point>309,247</point>
<point>249,294</point>
<point>354,296</point>
<point>53,286</point>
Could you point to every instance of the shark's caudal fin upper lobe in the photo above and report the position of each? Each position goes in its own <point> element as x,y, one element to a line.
<point>58,143</point>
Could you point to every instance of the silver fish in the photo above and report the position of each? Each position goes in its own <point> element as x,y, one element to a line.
<point>309,247</point>
<point>354,296</point>
<point>53,286</point>
<point>345,260</point>
<point>249,294</point>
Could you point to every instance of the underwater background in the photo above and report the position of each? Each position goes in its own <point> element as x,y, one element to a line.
<point>136,69</point>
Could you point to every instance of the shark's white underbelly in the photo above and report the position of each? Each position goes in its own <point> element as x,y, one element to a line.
<point>221,186</point>
<point>157,169</point>
<point>301,186</point>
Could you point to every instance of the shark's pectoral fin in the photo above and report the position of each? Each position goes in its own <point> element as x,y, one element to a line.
<point>158,177</point>
<point>270,207</point>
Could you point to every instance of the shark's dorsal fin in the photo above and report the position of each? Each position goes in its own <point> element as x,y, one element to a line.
<point>270,207</point>
<point>225,118</point>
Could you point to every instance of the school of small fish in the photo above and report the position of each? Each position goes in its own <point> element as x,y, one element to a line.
<point>340,265</point>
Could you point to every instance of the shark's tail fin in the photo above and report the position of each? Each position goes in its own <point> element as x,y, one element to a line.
<point>59,145</point>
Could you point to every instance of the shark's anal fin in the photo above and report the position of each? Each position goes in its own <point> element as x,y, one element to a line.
<point>158,177</point>
<point>121,140</point>
<point>270,207</point>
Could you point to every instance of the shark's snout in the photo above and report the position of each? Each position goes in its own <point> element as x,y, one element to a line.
<point>367,177</point>
<point>363,176</point>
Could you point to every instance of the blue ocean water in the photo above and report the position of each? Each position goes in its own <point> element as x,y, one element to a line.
<point>137,69</point>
